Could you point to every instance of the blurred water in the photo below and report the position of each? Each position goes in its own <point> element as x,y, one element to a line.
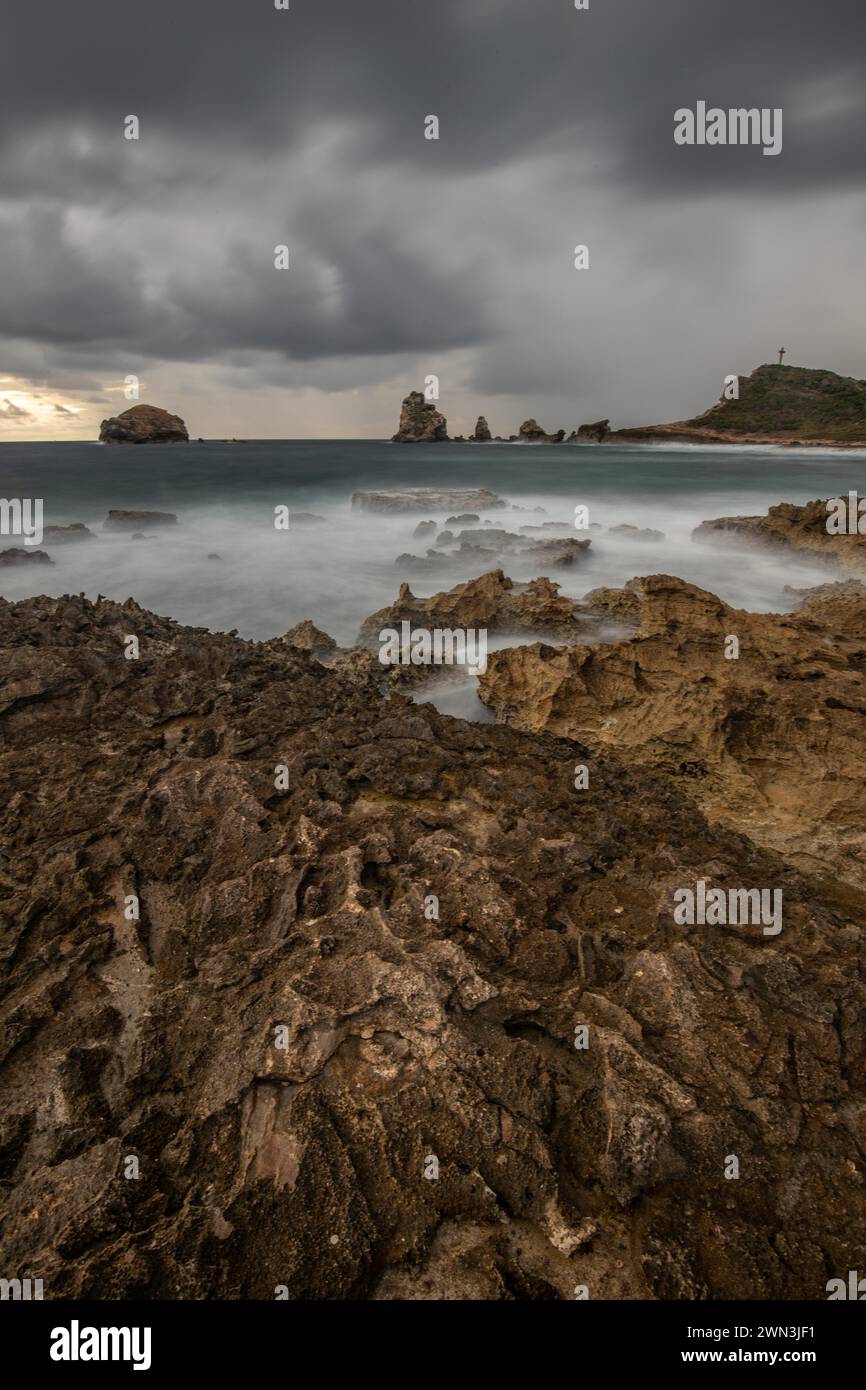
<point>338,573</point>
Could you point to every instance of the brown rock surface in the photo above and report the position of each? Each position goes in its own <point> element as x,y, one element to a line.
<point>420,422</point>
<point>802,529</point>
<point>530,432</point>
<point>143,424</point>
<point>492,601</point>
<point>406,1037</point>
<point>771,743</point>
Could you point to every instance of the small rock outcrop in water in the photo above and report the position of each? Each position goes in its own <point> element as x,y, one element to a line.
<point>143,424</point>
<point>595,432</point>
<point>531,433</point>
<point>491,601</point>
<point>482,432</point>
<point>420,422</point>
<point>119,520</point>
<point>302,1164</point>
<point>427,499</point>
<point>67,535</point>
<point>424,528</point>
<point>636,533</point>
<point>19,555</point>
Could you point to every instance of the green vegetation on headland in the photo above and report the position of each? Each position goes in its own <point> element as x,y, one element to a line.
<point>775,405</point>
<point>806,402</point>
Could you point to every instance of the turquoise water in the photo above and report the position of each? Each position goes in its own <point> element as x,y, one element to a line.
<point>336,574</point>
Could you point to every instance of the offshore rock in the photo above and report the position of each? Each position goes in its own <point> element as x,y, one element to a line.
<point>143,424</point>
<point>420,422</point>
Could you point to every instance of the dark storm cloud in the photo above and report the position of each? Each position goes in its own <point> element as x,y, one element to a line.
<point>114,251</point>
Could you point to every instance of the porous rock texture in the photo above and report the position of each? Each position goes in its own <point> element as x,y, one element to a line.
<point>796,529</point>
<point>768,739</point>
<point>410,1036</point>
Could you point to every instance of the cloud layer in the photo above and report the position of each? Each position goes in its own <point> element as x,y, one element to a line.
<point>305,127</point>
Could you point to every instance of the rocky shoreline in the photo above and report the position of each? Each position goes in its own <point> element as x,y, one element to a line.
<point>406,994</point>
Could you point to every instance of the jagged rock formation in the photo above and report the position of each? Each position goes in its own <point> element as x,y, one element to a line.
<point>420,422</point>
<point>310,638</point>
<point>428,499</point>
<point>530,432</point>
<point>492,601</point>
<point>802,529</point>
<point>770,742</point>
<point>482,433</point>
<point>143,424</point>
<point>777,405</point>
<point>427,1127</point>
<point>595,433</point>
<point>120,520</point>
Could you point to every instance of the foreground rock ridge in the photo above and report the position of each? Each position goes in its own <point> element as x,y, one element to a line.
<point>408,1036</point>
<point>143,424</point>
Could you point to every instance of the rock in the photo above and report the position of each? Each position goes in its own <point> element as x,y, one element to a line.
<point>307,519</point>
<point>482,431</point>
<point>445,538</point>
<point>309,638</point>
<point>766,743</point>
<point>138,536</point>
<point>297,918</point>
<point>426,499</point>
<point>532,433</point>
<point>18,555</point>
<point>564,552</point>
<point>636,533</point>
<point>212,555</point>
<point>596,432</point>
<point>118,520</point>
<point>491,601</point>
<point>801,530</point>
<point>143,424</point>
<point>66,535</point>
<point>465,519</point>
<point>417,564</point>
<point>420,422</point>
<point>424,528</point>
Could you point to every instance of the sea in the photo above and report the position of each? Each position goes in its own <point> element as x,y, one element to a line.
<point>342,569</point>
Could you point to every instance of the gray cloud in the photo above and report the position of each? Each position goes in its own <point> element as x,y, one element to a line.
<point>306,127</point>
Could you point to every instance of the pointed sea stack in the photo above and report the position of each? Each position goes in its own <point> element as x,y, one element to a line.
<point>420,422</point>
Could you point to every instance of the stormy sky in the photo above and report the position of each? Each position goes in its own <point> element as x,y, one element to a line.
<point>411,257</point>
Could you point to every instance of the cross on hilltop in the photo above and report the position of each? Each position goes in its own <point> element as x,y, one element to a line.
<point>782,352</point>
